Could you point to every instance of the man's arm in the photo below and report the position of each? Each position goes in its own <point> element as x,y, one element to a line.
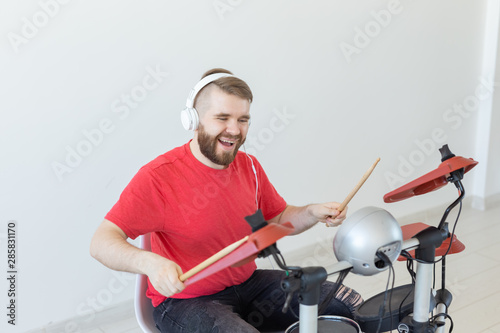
<point>110,247</point>
<point>305,217</point>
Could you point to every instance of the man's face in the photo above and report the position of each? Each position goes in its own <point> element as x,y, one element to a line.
<point>223,127</point>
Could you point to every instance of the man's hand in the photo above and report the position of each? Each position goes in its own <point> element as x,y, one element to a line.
<point>305,217</point>
<point>164,276</point>
<point>328,213</point>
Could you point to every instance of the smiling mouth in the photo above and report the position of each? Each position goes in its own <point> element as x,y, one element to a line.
<point>227,143</point>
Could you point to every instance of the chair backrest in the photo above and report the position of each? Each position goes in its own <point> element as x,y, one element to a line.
<point>143,307</point>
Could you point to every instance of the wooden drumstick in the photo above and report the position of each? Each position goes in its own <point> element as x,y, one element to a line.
<point>357,187</point>
<point>219,255</point>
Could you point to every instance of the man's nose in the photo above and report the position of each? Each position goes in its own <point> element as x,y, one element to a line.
<point>233,127</point>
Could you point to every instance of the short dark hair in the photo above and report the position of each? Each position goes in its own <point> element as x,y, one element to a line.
<point>231,84</point>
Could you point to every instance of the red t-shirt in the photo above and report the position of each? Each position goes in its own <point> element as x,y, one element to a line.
<point>193,211</point>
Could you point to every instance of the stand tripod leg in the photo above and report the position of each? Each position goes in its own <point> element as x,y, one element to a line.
<point>441,308</point>
<point>308,318</point>
<point>422,293</point>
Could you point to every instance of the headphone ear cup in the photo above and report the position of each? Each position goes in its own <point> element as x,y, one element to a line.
<point>189,119</point>
<point>189,116</point>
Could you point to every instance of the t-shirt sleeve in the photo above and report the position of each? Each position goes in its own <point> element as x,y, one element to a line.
<point>270,201</point>
<point>141,206</point>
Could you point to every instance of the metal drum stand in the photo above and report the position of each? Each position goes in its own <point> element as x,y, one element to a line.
<point>306,282</point>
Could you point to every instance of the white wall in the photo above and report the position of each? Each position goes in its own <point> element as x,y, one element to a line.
<point>321,115</point>
<point>493,175</point>
<point>487,177</point>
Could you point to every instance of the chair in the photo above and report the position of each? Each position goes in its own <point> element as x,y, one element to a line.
<point>142,304</point>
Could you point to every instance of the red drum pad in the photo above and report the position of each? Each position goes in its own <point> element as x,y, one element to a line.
<point>431,181</point>
<point>248,251</point>
<point>411,230</point>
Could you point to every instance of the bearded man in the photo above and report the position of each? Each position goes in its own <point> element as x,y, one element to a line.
<point>193,201</point>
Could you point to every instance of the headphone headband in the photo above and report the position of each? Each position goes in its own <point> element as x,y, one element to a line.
<point>200,85</point>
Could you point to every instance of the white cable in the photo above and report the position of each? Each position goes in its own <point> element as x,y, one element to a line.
<point>256,180</point>
<point>256,192</point>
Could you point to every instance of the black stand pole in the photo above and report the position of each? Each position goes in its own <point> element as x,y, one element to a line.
<point>307,282</point>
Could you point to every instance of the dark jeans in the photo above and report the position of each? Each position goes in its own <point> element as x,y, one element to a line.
<point>252,306</point>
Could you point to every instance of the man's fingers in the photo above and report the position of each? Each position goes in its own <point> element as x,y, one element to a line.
<point>173,280</point>
<point>172,286</point>
<point>166,278</point>
<point>335,221</point>
<point>332,223</point>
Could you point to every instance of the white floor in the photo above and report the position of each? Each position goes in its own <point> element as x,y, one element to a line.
<point>472,277</point>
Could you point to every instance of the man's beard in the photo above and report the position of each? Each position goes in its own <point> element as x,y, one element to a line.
<point>208,147</point>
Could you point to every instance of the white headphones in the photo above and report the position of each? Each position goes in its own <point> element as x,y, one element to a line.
<point>189,116</point>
